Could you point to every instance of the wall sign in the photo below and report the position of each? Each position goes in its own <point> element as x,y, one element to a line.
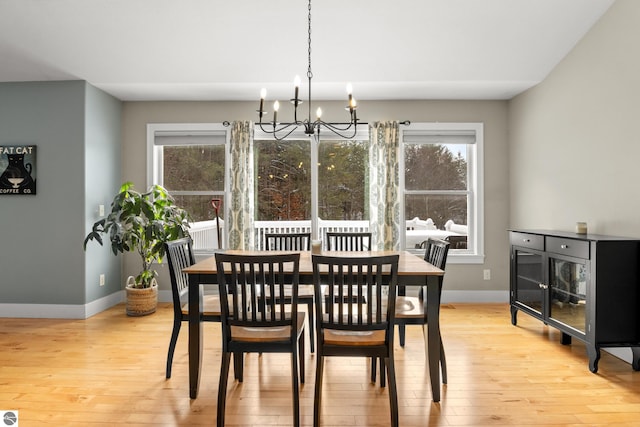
<point>18,169</point>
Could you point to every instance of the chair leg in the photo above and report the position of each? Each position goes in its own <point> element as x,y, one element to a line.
<point>301,358</point>
<point>443,362</point>
<point>374,367</point>
<point>310,309</point>
<point>295,387</point>
<point>222,387</point>
<point>172,344</point>
<point>393,392</point>
<point>401,333</point>
<point>317,401</point>
<point>238,365</point>
<point>383,372</point>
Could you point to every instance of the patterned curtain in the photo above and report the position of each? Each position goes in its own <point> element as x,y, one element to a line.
<point>240,210</point>
<point>384,204</point>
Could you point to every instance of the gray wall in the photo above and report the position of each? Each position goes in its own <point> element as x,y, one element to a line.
<point>102,180</point>
<point>574,146</point>
<point>42,264</point>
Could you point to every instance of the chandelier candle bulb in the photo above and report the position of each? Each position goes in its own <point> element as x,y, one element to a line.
<point>263,95</point>
<point>296,84</point>
<point>276,107</point>
<point>319,112</point>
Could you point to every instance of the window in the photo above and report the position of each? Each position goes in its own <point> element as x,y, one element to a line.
<point>442,182</point>
<point>189,161</point>
<point>292,196</point>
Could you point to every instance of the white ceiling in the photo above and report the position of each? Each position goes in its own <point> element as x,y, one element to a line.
<point>228,50</point>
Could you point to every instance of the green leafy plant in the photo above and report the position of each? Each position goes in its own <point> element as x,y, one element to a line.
<point>141,222</point>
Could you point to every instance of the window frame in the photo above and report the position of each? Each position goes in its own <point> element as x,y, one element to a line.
<point>473,255</point>
<point>155,158</point>
<point>475,189</point>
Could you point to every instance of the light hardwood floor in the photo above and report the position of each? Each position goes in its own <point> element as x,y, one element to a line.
<point>109,370</point>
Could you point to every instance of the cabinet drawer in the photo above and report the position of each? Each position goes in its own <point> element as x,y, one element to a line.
<point>532,241</point>
<point>570,247</point>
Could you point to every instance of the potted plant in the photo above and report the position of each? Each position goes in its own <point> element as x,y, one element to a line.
<point>141,222</point>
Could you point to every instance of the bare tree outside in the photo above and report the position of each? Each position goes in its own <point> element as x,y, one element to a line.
<point>436,178</point>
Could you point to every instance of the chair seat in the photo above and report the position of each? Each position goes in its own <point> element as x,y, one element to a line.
<point>210,306</point>
<point>353,338</point>
<point>266,334</point>
<point>409,307</point>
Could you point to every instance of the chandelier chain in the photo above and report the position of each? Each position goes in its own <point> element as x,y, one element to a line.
<point>309,73</point>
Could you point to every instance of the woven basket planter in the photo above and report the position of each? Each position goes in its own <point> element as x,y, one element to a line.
<point>141,301</point>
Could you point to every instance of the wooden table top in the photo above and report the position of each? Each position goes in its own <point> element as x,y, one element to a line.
<point>408,263</point>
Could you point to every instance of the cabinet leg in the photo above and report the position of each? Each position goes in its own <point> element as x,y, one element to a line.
<point>635,358</point>
<point>514,315</point>
<point>594,356</point>
<point>566,339</point>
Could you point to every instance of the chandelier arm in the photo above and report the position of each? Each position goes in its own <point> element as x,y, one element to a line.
<point>278,129</point>
<point>340,126</point>
<point>341,132</point>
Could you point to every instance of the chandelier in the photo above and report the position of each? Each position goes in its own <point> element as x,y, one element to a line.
<point>281,131</point>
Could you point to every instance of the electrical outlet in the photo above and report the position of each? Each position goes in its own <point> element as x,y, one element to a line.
<point>102,280</point>
<point>101,210</point>
<point>487,274</point>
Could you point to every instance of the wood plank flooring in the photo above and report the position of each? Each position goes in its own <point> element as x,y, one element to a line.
<point>109,370</point>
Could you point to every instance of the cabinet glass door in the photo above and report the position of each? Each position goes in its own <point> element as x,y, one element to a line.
<point>528,277</point>
<point>567,292</point>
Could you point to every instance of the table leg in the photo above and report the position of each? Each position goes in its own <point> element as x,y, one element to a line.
<point>432,333</point>
<point>195,335</point>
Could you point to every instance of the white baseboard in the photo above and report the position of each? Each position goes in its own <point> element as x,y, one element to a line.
<point>69,311</point>
<point>61,311</point>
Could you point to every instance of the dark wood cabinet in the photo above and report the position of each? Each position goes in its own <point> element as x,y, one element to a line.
<point>587,286</point>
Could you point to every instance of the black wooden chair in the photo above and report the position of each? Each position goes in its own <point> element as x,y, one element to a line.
<point>252,322</point>
<point>356,329</point>
<point>351,241</point>
<point>296,242</point>
<point>410,310</point>
<point>287,241</point>
<point>348,241</point>
<point>179,256</point>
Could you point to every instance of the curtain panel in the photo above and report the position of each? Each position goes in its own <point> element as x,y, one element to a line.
<point>384,182</point>
<point>240,212</point>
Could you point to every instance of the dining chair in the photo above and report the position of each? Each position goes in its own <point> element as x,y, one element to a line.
<point>179,256</point>
<point>295,242</point>
<point>251,322</point>
<point>348,241</point>
<point>410,310</point>
<point>356,329</point>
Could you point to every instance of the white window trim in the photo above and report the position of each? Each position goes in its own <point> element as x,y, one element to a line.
<point>154,160</point>
<point>476,184</point>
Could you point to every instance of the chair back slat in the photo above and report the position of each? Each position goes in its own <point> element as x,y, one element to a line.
<point>360,241</point>
<point>249,281</point>
<point>287,241</point>
<point>365,288</point>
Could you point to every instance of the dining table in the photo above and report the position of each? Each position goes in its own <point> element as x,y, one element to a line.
<point>413,271</point>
